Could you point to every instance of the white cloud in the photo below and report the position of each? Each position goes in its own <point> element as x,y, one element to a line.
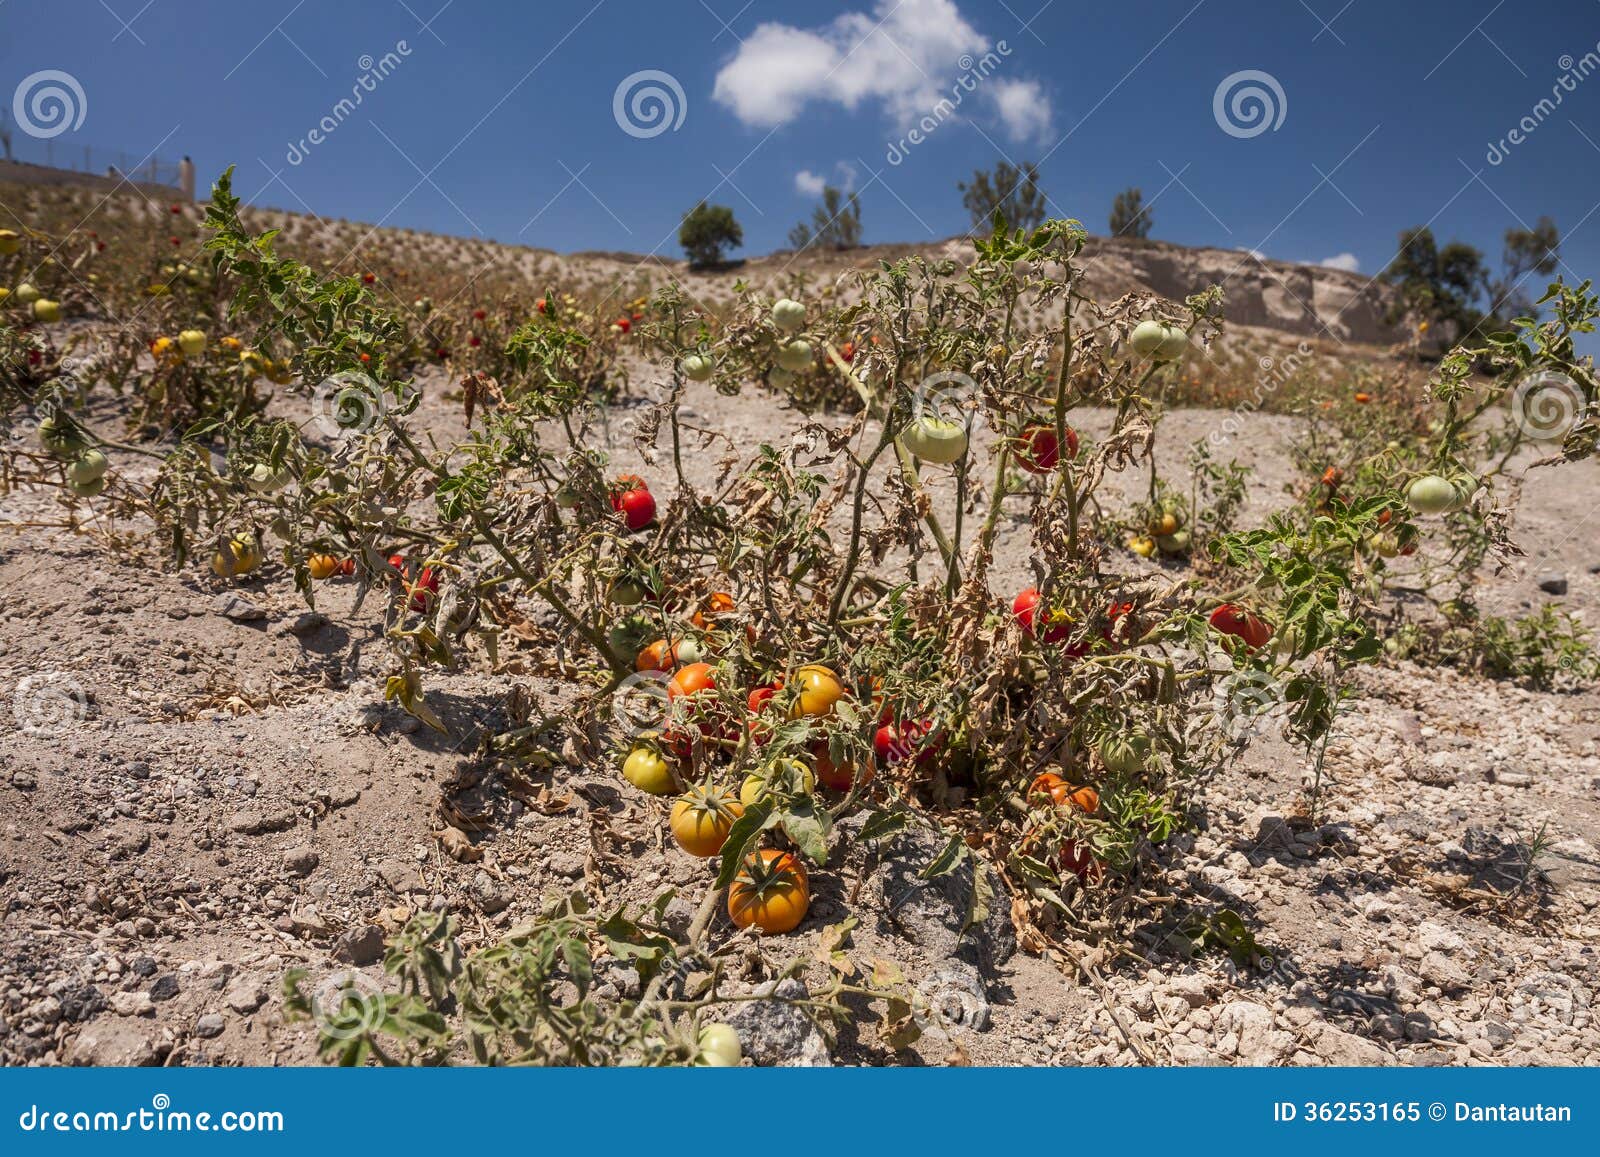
<point>813,184</point>
<point>906,56</point>
<point>1256,253</point>
<point>1348,262</point>
<point>1023,107</point>
<point>809,183</point>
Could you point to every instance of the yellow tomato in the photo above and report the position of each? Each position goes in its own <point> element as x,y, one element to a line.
<point>701,818</point>
<point>238,556</point>
<point>322,566</point>
<point>647,771</point>
<point>1142,546</point>
<point>819,689</point>
<point>786,775</point>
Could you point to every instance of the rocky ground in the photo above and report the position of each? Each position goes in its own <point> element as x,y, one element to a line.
<point>231,798</point>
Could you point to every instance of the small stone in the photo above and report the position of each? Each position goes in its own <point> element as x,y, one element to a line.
<point>245,997</point>
<point>209,1025</point>
<point>360,946</point>
<point>305,624</point>
<point>165,987</point>
<point>253,822</point>
<point>1552,582</point>
<point>240,610</point>
<point>131,1003</point>
<point>112,1043</point>
<point>300,860</point>
<point>402,877</point>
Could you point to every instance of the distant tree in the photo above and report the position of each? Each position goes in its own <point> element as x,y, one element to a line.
<point>1010,190</point>
<point>1130,216</point>
<point>835,224</point>
<point>707,232</point>
<point>1443,285</point>
<point>1527,252</point>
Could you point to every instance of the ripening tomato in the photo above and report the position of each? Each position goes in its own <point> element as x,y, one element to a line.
<point>691,681</point>
<point>1061,793</point>
<point>425,590</point>
<point>322,566</point>
<point>347,567</point>
<point>645,768</point>
<point>819,690</point>
<point>1241,624</point>
<point>237,556</point>
<point>634,501</point>
<point>1078,858</point>
<point>658,656</point>
<point>771,892</point>
<point>896,742</point>
<point>838,776</point>
<point>717,603</point>
<point>1025,610</point>
<point>701,819</point>
<point>1038,450</point>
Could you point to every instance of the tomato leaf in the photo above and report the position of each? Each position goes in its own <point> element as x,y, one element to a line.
<point>884,823</point>
<point>947,861</point>
<point>740,836</point>
<point>808,826</point>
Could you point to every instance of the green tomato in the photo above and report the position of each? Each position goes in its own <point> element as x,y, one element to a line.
<point>698,367</point>
<point>1431,494</point>
<point>648,772</point>
<point>1125,753</point>
<point>263,480</point>
<point>935,439</point>
<point>27,294</point>
<point>719,1047</point>
<point>788,315</point>
<point>87,467</point>
<point>628,593</point>
<point>1158,341</point>
<point>47,311</point>
<point>780,378</point>
<point>62,438</point>
<point>192,342</point>
<point>1175,543</point>
<point>795,356</point>
<point>86,489</point>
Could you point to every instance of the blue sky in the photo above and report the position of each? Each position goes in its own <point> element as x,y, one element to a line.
<point>498,117</point>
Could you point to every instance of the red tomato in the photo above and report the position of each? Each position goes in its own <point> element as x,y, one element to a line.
<point>479,315</point>
<point>424,590</point>
<point>896,742</point>
<point>1025,609</point>
<point>634,501</point>
<point>1241,624</point>
<point>1038,451</point>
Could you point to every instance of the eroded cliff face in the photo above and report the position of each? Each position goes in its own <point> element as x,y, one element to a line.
<point>1309,300</point>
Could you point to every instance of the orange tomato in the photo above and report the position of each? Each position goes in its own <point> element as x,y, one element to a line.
<point>322,566</point>
<point>658,656</point>
<point>702,817</point>
<point>717,603</point>
<point>691,680</point>
<point>819,690</point>
<point>839,777</point>
<point>1062,793</point>
<point>771,892</point>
